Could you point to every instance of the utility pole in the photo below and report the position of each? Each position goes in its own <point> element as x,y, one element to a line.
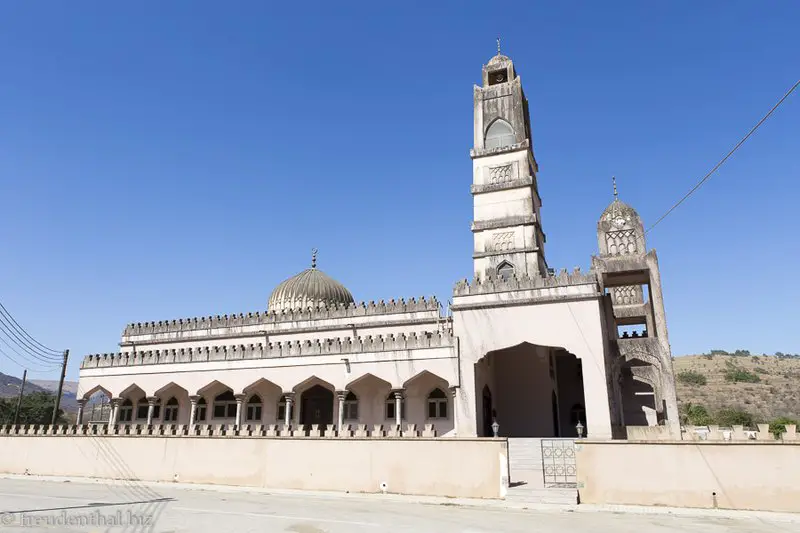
<point>60,386</point>
<point>19,398</point>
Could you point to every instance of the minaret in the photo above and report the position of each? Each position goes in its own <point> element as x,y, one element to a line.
<point>508,236</point>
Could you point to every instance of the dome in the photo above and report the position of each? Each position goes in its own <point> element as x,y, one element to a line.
<point>309,288</point>
<point>499,58</point>
<point>619,209</point>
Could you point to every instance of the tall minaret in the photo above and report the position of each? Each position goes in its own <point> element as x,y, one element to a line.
<point>506,227</point>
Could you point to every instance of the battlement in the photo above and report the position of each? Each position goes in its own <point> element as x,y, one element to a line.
<point>365,344</point>
<point>270,317</point>
<point>492,284</point>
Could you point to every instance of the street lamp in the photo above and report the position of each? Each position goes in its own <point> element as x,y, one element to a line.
<point>495,427</point>
<point>579,429</point>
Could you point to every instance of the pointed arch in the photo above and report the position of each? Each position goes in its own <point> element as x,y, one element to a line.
<point>499,134</point>
<point>505,270</point>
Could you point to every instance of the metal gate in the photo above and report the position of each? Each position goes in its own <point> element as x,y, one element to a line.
<point>558,463</point>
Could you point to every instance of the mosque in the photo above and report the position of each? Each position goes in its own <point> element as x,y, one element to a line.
<point>523,350</point>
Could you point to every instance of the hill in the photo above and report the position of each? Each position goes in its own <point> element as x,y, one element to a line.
<point>764,386</point>
<point>9,388</point>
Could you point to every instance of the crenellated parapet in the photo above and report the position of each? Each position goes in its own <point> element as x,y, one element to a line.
<point>345,345</point>
<point>492,284</point>
<point>412,305</point>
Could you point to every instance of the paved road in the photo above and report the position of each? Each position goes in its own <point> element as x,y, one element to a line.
<point>28,505</point>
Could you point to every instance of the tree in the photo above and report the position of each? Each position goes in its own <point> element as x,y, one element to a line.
<point>36,408</point>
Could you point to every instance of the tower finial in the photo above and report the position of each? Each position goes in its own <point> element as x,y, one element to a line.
<point>498,46</point>
<point>313,258</point>
<point>614,181</point>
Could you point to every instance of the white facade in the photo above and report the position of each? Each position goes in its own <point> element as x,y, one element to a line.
<point>538,353</point>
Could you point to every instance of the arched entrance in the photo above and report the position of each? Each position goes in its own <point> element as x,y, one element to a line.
<point>316,406</point>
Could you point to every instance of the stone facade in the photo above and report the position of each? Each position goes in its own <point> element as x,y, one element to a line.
<point>539,353</point>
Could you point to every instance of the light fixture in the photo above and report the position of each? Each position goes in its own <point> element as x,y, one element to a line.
<point>495,427</point>
<point>579,429</point>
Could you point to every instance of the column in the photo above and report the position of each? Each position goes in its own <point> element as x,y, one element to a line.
<point>398,407</point>
<point>151,407</point>
<point>112,421</point>
<point>287,417</point>
<point>193,410</point>
<point>341,395</point>
<point>81,403</point>
<point>239,400</point>
<point>454,396</point>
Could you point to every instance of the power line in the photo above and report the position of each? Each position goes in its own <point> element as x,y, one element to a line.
<point>12,335</point>
<point>728,155</point>
<point>26,337</point>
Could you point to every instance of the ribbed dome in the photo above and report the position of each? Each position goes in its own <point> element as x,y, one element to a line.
<point>309,288</point>
<point>499,58</point>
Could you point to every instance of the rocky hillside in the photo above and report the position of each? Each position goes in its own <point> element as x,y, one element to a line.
<point>766,386</point>
<point>9,388</point>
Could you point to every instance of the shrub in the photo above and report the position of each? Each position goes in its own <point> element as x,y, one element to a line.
<point>730,416</point>
<point>740,375</point>
<point>761,371</point>
<point>690,377</point>
<point>778,426</point>
<point>695,415</point>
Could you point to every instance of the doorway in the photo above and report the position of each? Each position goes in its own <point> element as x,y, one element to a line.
<point>316,407</point>
<point>488,415</point>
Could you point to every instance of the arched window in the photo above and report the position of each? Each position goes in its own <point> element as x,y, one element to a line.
<point>505,271</point>
<point>499,134</point>
<point>171,410</point>
<point>202,410</point>
<point>351,406</point>
<point>437,404</point>
<point>254,408</point>
<point>126,411</point>
<point>225,405</point>
<point>282,410</point>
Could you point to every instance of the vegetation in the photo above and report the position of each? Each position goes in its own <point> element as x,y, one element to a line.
<point>36,408</point>
<point>778,426</point>
<point>690,377</point>
<point>736,374</point>
<point>698,415</point>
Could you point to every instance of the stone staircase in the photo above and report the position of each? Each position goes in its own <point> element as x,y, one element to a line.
<point>526,483</point>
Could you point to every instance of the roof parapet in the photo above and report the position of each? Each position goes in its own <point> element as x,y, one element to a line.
<point>493,284</point>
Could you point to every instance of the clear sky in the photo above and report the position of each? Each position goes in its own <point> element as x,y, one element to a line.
<point>161,160</point>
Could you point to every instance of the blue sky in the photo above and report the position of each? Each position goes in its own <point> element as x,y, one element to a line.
<point>161,160</point>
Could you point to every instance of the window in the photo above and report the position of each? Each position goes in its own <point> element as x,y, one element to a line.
<point>437,404</point>
<point>171,410</point>
<point>499,134</point>
<point>141,409</point>
<point>282,410</point>
<point>351,406</point>
<point>126,411</point>
<point>253,408</point>
<point>505,271</point>
<point>390,408</point>
<point>202,410</point>
<point>225,405</point>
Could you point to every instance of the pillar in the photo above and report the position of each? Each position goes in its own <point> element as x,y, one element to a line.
<point>112,421</point>
<point>454,396</point>
<point>239,400</point>
<point>398,407</point>
<point>287,417</point>
<point>151,407</point>
<point>193,410</point>
<point>81,403</point>
<point>340,396</point>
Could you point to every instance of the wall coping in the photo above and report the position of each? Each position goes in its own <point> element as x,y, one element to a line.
<point>268,317</point>
<point>493,284</point>
<point>338,345</point>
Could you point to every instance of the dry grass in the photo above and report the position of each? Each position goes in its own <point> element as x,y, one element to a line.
<point>776,394</point>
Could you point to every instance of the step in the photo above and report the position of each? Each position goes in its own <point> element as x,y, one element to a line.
<point>523,494</point>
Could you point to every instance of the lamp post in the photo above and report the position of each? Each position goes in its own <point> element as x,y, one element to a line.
<point>579,429</point>
<point>495,428</point>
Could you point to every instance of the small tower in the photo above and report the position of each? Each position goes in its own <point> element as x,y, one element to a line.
<point>620,231</point>
<point>507,232</point>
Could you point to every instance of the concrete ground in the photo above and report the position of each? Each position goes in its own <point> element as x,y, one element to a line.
<point>33,505</point>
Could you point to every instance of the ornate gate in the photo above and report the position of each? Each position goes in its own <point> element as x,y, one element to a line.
<point>558,463</point>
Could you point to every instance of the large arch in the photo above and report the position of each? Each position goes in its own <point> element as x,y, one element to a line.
<point>499,134</point>
<point>270,394</point>
<point>372,392</point>
<point>316,400</point>
<point>420,393</point>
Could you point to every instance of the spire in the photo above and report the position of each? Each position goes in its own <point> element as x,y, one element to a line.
<point>313,258</point>
<point>614,181</point>
<point>498,46</point>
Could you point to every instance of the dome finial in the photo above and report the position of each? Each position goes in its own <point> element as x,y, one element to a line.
<point>498,46</point>
<point>614,181</point>
<point>313,258</point>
